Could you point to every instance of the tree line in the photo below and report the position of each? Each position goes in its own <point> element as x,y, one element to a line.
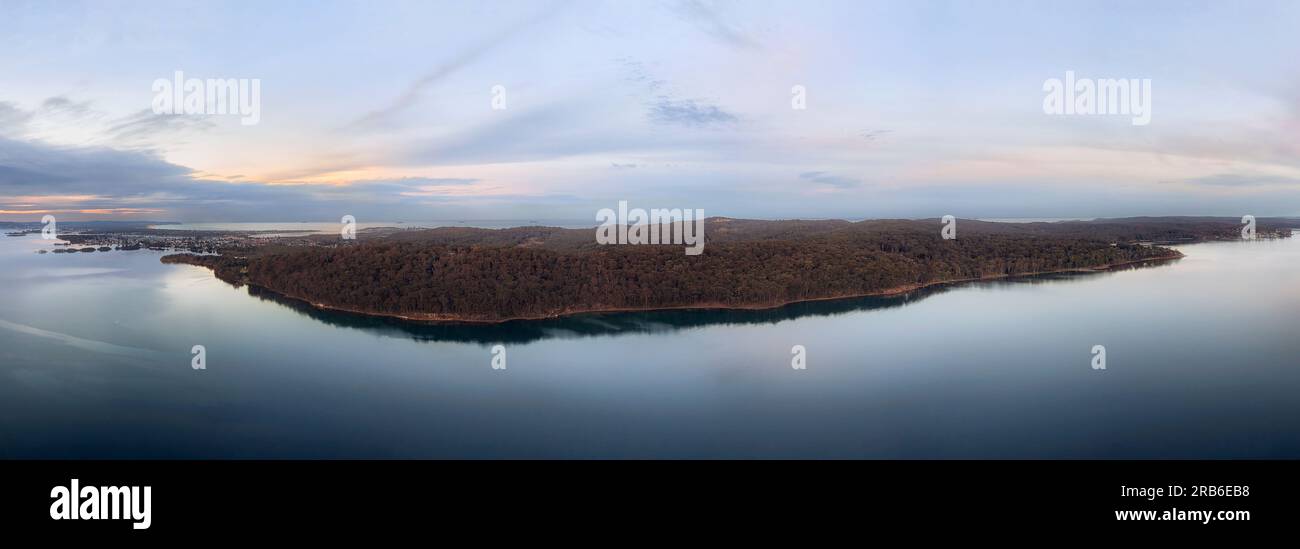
<point>486,282</point>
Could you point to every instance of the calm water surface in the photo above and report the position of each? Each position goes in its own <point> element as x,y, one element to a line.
<point>333,227</point>
<point>1203,361</point>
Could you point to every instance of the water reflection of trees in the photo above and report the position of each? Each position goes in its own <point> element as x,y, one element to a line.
<point>612,324</point>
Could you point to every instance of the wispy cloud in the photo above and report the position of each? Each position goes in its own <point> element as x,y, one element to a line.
<point>667,107</point>
<point>635,72</point>
<point>708,20</point>
<point>13,119</point>
<point>825,178</point>
<point>147,126</point>
<point>689,112</point>
<point>62,105</point>
<point>1241,180</point>
<point>385,116</point>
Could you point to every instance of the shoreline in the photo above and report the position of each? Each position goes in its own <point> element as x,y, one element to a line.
<point>898,290</point>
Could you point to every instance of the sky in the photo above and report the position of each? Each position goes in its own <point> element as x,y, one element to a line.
<point>541,109</point>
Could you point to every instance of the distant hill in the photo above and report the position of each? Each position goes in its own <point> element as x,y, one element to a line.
<point>723,229</point>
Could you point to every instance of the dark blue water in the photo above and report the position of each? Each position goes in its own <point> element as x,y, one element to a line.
<point>1203,361</point>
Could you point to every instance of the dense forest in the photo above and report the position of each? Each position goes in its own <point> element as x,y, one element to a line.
<point>534,272</point>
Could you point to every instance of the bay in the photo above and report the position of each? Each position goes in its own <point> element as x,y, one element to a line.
<point>1203,361</point>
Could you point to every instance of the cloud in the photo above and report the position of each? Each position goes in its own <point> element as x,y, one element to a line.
<point>415,186</point>
<point>28,165</point>
<point>55,114</point>
<point>521,135</point>
<point>62,105</point>
<point>144,125</point>
<point>13,120</point>
<point>825,178</point>
<point>407,182</point>
<point>688,112</point>
<point>637,74</point>
<point>98,182</point>
<point>711,23</point>
<point>545,132</point>
<point>873,135</point>
<point>383,116</point>
<point>1240,180</point>
<point>667,107</point>
<point>572,129</point>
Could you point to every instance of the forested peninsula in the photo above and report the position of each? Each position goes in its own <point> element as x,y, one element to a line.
<point>462,274</point>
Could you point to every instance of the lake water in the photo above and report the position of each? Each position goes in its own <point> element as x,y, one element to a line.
<point>1203,361</point>
<point>312,227</point>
